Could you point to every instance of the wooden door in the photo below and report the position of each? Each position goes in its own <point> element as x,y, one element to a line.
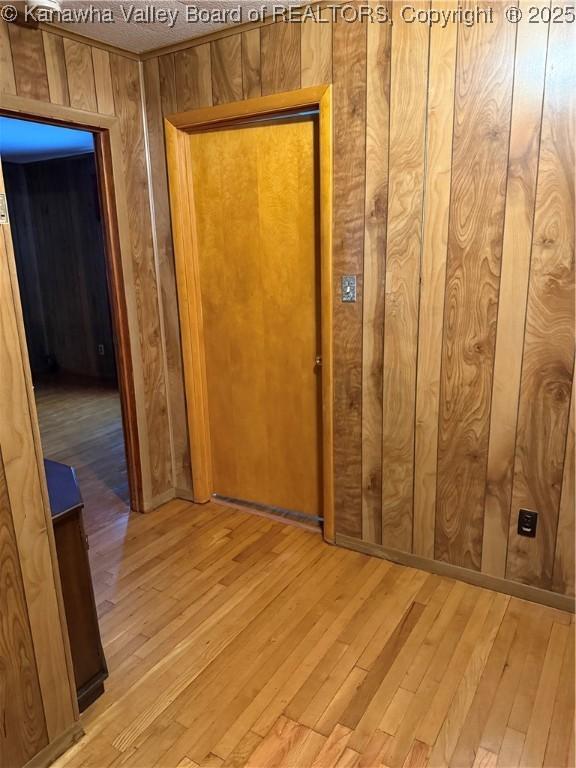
<point>256,216</point>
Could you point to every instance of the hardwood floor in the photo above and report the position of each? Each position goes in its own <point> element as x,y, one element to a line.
<point>81,425</point>
<point>235,640</point>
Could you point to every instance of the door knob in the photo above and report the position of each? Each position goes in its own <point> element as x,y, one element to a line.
<point>318,361</point>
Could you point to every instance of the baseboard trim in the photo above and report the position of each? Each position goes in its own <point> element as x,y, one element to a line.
<point>184,493</point>
<point>157,501</point>
<point>522,591</point>
<point>56,748</point>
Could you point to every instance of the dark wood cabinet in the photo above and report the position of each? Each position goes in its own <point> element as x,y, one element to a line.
<point>66,505</point>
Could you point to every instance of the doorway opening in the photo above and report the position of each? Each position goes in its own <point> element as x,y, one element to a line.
<point>52,191</point>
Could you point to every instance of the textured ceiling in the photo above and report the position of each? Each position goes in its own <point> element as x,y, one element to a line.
<point>138,35</point>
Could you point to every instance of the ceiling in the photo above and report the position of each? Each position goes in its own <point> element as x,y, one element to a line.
<point>24,141</point>
<point>183,19</point>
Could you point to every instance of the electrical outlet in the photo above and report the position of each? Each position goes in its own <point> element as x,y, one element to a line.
<point>527,522</point>
<point>101,349</point>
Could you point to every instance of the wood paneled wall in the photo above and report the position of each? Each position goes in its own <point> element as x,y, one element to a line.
<point>454,206</point>
<point>59,248</point>
<point>43,72</point>
<point>23,731</point>
<point>46,67</point>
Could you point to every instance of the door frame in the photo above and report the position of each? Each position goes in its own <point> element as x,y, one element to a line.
<point>107,151</point>
<point>180,179</point>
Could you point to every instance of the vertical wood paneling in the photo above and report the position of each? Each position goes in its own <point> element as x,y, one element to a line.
<point>193,77</point>
<point>103,81</point>
<point>7,81</point>
<point>20,454</point>
<point>280,57</point>
<point>159,182</point>
<point>128,107</point>
<point>563,576</point>
<point>520,195</point>
<point>23,731</point>
<point>167,72</point>
<point>251,80</point>
<point>80,75</point>
<point>227,69</point>
<point>317,50</point>
<point>440,118</point>
<point>481,137</point>
<point>548,361</point>
<point>408,95</point>
<point>457,233</point>
<point>56,68</point>
<point>377,125</point>
<point>349,72</point>
<point>29,63</point>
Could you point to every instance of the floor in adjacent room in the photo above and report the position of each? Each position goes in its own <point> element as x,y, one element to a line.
<point>235,640</point>
<point>81,425</point>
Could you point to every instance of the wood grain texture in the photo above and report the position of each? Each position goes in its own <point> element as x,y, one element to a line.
<point>408,95</point>
<point>56,68</point>
<point>167,73</point>
<point>437,184</point>
<point>167,278</point>
<point>126,86</point>
<point>349,71</point>
<point>7,81</point>
<point>529,73</point>
<point>377,140</point>
<point>280,56</point>
<point>103,81</point>
<point>251,81</point>
<point>262,620</point>
<point>29,63</point>
<point>193,77</point>
<point>115,218</point>
<point>189,299</point>
<point>80,75</point>
<point>73,413</point>
<point>481,135</point>
<point>493,52</point>
<point>242,186</point>
<point>20,449</point>
<point>23,731</point>
<point>563,576</point>
<point>226,56</point>
<point>548,360</point>
<point>316,50</point>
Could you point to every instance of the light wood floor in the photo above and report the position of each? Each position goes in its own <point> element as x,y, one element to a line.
<point>235,640</point>
<point>81,425</point>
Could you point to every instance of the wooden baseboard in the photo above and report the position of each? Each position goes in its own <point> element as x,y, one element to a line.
<point>164,498</point>
<point>52,751</point>
<point>184,493</point>
<point>157,501</point>
<point>522,591</point>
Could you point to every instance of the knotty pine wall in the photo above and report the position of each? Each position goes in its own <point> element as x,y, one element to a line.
<point>46,67</point>
<point>454,206</point>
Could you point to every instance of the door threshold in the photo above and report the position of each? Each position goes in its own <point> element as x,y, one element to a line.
<point>310,522</point>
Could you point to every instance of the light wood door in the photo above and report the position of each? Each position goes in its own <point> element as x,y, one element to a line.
<point>256,211</point>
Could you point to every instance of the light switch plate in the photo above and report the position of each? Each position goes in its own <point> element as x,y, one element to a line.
<point>3,209</point>
<point>348,284</point>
